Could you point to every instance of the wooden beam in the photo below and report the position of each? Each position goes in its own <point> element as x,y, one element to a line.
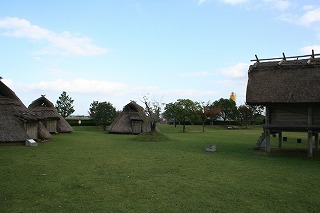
<point>280,140</point>
<point>290,57</point>
<point>309,143</point>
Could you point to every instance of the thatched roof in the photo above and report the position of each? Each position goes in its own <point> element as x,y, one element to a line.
<point>123,122</point>
<point>46,110</point>
<point>13,115</point>
<point>294,81</point>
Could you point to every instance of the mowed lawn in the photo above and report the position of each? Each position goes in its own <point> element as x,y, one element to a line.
<point>92,171</point>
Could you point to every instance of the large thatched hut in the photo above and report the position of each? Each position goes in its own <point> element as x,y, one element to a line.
<point>17,122</point>
<point>50,117</point>
<point>290,91</point>
<point>132,120</point>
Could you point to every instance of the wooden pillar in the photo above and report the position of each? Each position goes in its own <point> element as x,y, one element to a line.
<point>280,140</point>
<point>309,143</point>
<point>267,131</point>
<point>316,141</point>
<point>309,131</point>
<point>268,147</point>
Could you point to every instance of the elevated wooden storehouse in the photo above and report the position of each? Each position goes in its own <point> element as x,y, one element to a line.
<point>132,120</point>
<point>289,89</point>
<point>17,122</point>
<point>50,117</point>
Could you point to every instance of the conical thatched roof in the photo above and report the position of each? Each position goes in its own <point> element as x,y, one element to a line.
<point>294,81</point>
<point>13,116</point>
<point>46,110</point>
<point>131,112</point>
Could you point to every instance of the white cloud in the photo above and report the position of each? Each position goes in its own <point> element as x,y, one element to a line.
<point>278,4</point>
<point>310,17</point>
<point>237,71</point>
<point>195,74</point>
<point>202,1</point>
<point>308,49</point>
<point>64,43</point>
<point>234,2</point>
<point>79,86</point>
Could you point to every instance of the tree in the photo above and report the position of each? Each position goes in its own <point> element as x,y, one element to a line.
<point>245,114</point>
<point>153,109</point>
<point>228,108</point>
<point>208,111</point>
<point>64,105</point>
<point>170,113</point>
<point>103,113</point>
<point>183,110</point>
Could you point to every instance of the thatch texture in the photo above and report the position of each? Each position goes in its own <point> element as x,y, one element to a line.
<point>131,115</point>
<point>295,81</point>
<point>45,109</point>
<point>15,117</point>
<point>63,126</point>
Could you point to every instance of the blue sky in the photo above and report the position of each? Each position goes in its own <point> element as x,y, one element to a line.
<point>121,50</point>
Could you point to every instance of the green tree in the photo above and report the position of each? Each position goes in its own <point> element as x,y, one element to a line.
<point>64,105</point>
<point>103,113</point>
<point>170,113</point>
<point>228,108</point>
<point>183,110</point>
<point>245,114</point>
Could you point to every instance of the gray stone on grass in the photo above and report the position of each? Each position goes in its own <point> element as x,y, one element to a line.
<point>211,148</point>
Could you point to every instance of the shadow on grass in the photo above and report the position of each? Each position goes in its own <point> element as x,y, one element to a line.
<point>152,136</point>
<point>290,153</point>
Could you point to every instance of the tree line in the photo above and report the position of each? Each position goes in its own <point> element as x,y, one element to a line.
<point>182,111</point>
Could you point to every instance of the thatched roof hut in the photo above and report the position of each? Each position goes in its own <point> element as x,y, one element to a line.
<point>17,122</point>
<point>132,120</point>
<point>295,81</point>
<point>290,91</point>
<point>50,117</point>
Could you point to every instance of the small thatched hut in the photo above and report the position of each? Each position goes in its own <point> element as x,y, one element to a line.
<point>290,91</point>
<point>17,122</point>
<point>50,117</point>
<point>132,120</point>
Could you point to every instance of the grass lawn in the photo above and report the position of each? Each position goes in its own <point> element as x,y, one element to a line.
<point>92,171</point>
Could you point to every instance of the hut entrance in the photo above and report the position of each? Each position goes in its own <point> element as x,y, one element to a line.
<point>136,127</point>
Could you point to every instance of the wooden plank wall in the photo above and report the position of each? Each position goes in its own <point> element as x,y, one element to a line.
<point>289,115</point>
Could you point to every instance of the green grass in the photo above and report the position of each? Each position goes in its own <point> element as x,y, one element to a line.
<point>92,171</point>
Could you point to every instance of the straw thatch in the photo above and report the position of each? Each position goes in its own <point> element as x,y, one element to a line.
<point>294,81</point>
<point>17,122</point>
<point>53,121</point>
<point>132,120</point>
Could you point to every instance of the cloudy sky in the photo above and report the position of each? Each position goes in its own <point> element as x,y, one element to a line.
<point>120,50</point>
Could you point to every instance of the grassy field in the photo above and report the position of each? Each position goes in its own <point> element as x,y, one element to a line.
<point>92,171</point>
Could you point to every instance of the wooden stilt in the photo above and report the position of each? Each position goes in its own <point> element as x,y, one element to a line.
<point>280,140</point>
<point>268,147</point>
<point>316,141</point>
<point>309,143</point>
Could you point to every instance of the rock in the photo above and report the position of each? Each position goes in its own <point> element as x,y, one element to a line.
<point>211,148</point>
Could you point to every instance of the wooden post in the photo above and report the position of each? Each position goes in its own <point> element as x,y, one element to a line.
<point>316,141</point>
<point>268,147</point>
<point>280,140</point>
<point>309,143</point>
<point>267,131</point>
<point>309,131</point>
